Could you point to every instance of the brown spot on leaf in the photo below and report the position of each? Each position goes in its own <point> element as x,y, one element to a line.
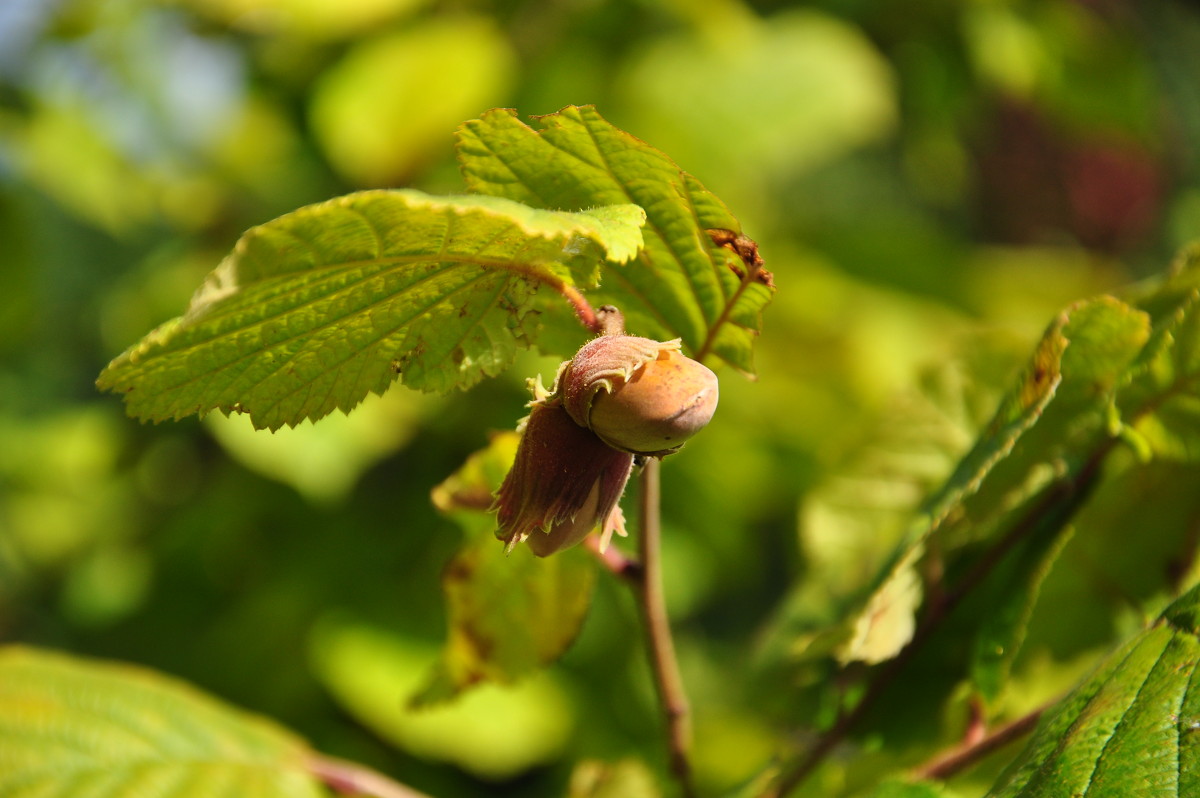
<point>458,570</point>
<point>746,249</point>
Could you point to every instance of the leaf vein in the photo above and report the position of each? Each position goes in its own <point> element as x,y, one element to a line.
<point>644,256</point>
<point>1124,717</point>
<point>384,335</point>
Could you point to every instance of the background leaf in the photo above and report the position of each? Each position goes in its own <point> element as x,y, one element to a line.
<point>628,778</point>
<point>494,732</point>
<point>363,108</point>
<point>320,307</point>
<point>839,98</point>
<point>903,789</point>
<point>1160,396</point>
<point>1070,379</point>
<point>682,285</point>
<point>1129,729</point>
<point>70,727</point>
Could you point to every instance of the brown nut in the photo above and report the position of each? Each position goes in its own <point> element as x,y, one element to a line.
<point>638,395</point>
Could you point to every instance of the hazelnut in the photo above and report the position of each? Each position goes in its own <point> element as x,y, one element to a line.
<point>638,395</point>
<point>620,396</point>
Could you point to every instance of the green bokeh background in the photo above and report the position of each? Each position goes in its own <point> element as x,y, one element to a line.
<point>928,182</point>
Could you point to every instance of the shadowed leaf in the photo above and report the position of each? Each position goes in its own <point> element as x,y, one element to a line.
<point>1058,411</point>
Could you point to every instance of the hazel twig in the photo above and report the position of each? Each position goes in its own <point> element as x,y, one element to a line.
<point>948,764</point>
<point>671,694</point>
<point>351,778</point>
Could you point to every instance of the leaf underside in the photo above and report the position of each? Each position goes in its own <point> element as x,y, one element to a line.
<point>318,308</point>
<point>681,285</point>
<point>71,728</point>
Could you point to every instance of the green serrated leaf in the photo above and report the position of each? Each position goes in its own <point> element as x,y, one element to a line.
<point>318,308</point>
<point>70,727</point>
<point>509,614</point>
<point>682,284</point>
<point>1130,729</point>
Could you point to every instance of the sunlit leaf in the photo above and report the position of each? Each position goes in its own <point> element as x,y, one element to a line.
<point>305,17</point>
<point>628,778</point>
<point>386,107</point>
<point>852,521</point>
<point>70,727</point>
<point>492,731</point>
<point>509,614</point>
<point>718,82</point>
<point>887,622</point>
<point>316,309</point>
<point>682,285</point>
<point>1161,394</point>
<point>1129,729</point>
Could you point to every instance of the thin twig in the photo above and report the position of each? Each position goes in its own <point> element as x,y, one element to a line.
<point>615,561</point>
<point>658,632</point>
<point>351,778</point>
<point>1056,507</point>
<point>943,766</point>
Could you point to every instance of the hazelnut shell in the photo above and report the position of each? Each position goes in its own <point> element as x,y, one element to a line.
<point>638,395</point>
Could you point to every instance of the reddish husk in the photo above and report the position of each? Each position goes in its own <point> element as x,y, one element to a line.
<point>563,483</point>
<point>619,396</point>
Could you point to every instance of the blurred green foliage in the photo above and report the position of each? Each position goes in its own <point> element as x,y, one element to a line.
<point>930,184</point>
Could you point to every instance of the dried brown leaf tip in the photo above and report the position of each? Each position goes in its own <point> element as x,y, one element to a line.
<point>746,249</point>
<point>620,396</point>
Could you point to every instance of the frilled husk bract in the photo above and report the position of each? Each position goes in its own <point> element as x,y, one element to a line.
<point>564,482</point>
<point>602,364</point>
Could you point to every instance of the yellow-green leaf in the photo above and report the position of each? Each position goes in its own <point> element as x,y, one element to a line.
<point>387,107</point>
<point>318,308</point>
<point>70,727</point>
